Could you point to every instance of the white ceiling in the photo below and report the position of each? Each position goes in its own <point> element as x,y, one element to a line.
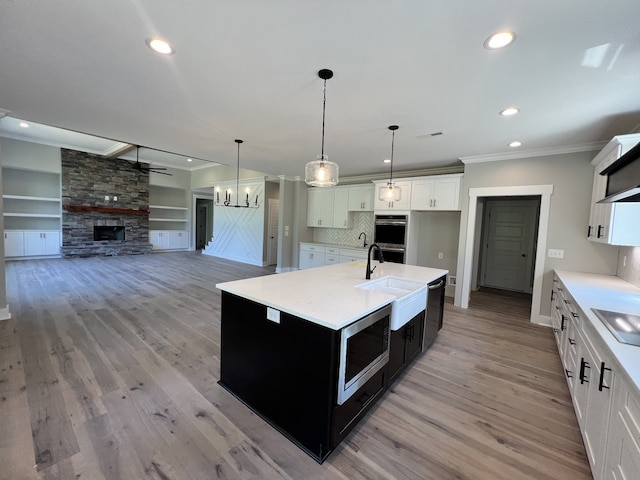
<point>248,69</point>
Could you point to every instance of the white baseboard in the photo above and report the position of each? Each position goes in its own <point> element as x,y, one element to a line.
<point>4,313</point>
<point>543,320</point>
<point>285,269</point>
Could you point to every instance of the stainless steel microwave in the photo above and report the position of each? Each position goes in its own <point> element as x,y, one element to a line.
<point>364,350</point>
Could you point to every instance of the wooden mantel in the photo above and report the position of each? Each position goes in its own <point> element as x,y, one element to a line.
<point>88,208</point>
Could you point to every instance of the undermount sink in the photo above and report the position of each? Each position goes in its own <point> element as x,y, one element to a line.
<point>411,297</point>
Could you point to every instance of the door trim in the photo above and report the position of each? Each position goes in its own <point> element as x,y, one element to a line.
<point>545,192</point>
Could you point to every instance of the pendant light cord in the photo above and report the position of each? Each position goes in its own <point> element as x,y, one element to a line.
<point>324,107</point>
<point>393,138</point>
<point>238,174</point>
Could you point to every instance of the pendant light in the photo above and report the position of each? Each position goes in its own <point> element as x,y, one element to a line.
<point>227,193</point>
<point>390,193</point>
<point>321,172</point>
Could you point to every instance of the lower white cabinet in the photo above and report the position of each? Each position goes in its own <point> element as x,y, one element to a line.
<point>169,239</point>
<point>318,255</point>
<point>608,411</point>
<point>311,256</point>
<point>31,243</point>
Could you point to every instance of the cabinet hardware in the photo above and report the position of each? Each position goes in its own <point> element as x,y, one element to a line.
<point>600,228</point>
<point>364,398</point>
<point>601,384</point>
<point>568,372</point>
<point>589,228</point>
<point>555,330</point>
<point>583,365</point>
<point>553,295</point>
<point>575,315</point>
<point>562,324</point>
<point>572,341</point>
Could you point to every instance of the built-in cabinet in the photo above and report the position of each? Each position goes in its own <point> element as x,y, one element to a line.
<point>405,344</point>
<point>612,223</point>
<point>361,198</point>
<point>318,255</point>
<point>32,212</point>
<point>607,408</point>
<point>168,218</point>
<point>437,192</point>
<point>405,196</point>
<point>328,207</point>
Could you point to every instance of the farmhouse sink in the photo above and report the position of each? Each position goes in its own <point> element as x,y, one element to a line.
<point>411,297</point>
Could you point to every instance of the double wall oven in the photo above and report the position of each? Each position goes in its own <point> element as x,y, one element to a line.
<point>390,233</point>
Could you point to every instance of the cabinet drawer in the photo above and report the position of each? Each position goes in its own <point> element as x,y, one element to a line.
<point>331,259</point>
<point>332,250</point>
<point>308,247</point>
<point>346,416</point>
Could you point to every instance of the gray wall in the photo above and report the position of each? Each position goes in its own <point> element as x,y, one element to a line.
<point>629,265</point>
<point>4,309</point>
<point>571,176</point>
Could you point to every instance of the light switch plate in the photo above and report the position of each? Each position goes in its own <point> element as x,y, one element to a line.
<point>273,315</point>
<point>555,253</point>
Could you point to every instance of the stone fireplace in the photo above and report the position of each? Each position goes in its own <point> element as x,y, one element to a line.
<point>107,194</point>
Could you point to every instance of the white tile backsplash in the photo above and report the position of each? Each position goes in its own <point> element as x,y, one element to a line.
<point>362,222</point>
<point>629,265</point>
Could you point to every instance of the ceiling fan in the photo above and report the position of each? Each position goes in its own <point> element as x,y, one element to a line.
<point>145,168</point>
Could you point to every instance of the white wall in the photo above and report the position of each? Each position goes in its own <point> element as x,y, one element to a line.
<point>629,265</point>
<point>30,156</point>
<point>571,176</point>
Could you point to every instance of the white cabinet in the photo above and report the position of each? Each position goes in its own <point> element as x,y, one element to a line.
<point>405,196</point>
<point>341,216</point>
<point>13,244</point>
<point>31,243</point>
<point>320,207</point>
<point>352,254</point>
<point>328,207</point>
<point>612,223</point>
<point>361,198</point>
<point>438,192</point>
<point>311,256</point>
<point>41,243</point>
<point>623,448</point>
<point>169,239</point>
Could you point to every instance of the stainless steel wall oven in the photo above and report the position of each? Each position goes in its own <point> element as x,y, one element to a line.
<point>390,233</point>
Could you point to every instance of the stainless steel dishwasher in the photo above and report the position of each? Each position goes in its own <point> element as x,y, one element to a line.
<point>435,311</point>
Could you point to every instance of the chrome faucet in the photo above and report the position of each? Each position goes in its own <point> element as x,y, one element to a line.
<point>381,260</point>
<point>365,239</point>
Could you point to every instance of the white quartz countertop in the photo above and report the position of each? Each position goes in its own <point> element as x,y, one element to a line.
<point>327,295</point>
<point>606,292</point>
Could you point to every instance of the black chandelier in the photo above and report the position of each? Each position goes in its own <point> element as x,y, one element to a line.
<point>228,192</point>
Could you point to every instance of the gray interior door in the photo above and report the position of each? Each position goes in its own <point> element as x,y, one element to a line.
<point>509,244</point>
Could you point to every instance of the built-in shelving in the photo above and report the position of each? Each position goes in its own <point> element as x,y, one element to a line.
<point>168,218</point>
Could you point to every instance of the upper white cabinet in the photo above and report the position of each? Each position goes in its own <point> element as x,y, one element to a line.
<point>361,198</point>
<point>438,192</point>
<point>405,196</point>
<point>328,207</point>
<point>320,207</point>
<point>612,223</point>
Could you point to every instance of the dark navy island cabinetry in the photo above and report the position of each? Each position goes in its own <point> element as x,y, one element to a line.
<point>287,372</point>
<point>312,351</point>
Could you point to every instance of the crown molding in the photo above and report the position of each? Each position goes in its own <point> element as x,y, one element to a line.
<point>401,174</point>
<point>538,152</point>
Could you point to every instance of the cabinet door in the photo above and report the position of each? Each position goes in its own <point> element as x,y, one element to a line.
<point>446,193</point>
<point>405,197</point>
<point>422,195</point>
<point>341,217</point>
<point>320,207</point>
<point>33,243</point>
<point>361,198</point>
<point>311,259</point>
<point>155,239</point>
<point>13,244</point>
<point>415,331</point>
<point>51,243</point>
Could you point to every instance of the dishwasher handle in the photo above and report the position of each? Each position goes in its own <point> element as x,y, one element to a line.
<point>437,285</point>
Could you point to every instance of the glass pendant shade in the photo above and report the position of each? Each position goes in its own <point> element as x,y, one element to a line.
<point>389,193</point>
<point>321,172</point>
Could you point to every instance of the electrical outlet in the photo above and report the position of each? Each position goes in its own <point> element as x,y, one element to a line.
<point>273,315</point>
<point>106,198</point>
<point>115,199</point>
<point>440,255</point>
<point>555,253</point>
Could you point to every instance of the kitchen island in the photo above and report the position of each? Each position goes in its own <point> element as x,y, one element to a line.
<point>284,343</point>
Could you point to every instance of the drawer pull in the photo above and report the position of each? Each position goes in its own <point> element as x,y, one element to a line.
<point>601,384</point>
<point>583,365</point>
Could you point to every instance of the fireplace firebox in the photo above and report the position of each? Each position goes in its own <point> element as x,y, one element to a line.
<point>109,232</point>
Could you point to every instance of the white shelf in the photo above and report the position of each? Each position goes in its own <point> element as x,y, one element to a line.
<point>166,219</point>
<point>37,199</point>
<point>31,215</point>
<point>166,207</point>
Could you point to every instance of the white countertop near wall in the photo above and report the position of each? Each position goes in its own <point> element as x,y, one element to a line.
<point>606,292</point>
<point>327,295</point>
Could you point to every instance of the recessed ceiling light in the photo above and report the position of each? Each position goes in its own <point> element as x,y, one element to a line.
<point>24,125</point>
<point>499,40</point>
<point>515,144</point>
<point>160,46</point>
<point>507,112</point>
<point>189,160</point>
<point>386,160</point>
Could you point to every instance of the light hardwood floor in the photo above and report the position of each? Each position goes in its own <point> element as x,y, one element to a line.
<point>108,370</point>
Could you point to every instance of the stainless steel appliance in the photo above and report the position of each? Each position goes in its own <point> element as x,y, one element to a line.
<point>390,233</point>
<point>624,326</point>
<point>623,178</point>
<point>364,350</point>
<point>435,311</point>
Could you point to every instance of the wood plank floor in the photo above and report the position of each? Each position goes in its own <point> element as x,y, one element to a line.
<point>108,370</point>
